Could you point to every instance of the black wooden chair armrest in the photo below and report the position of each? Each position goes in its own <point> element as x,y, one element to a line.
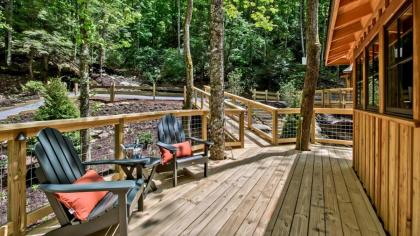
<point>201,141</point>
<point>112,186</point>
<point>121,162</point>
<point>166,146</point>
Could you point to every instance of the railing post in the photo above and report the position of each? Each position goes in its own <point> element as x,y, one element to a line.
<point>154,91</point>
<point>112,93</point>
<point>278,96</point>
<point>242,128</point>
<point>274,129</point>
<point>202,100</point>
<point>16,186</point>
<point>254,94</point>
<point>266,95</point>
<point>323,98</point>
<point>119,140</point>
<point>185,93</point>
<point>250,108</point>
<point>204,126</point>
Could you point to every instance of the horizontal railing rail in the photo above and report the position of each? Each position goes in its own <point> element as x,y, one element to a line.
<point>142,90</point>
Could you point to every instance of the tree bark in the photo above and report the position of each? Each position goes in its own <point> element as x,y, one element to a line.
<point>187,55</point>
<point>311,76</point>
<point>101,60</point>
<point>178,6</point>
<point>84,80</point>
<point>30,62</point>
<point>8,33</point>
<point>217,80</point>
<point>45,66</point>
<point>302,19</point>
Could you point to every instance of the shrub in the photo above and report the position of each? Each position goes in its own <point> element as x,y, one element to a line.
<point>235,82</point>
<point>33,87</point>
<point>145,137</point>
<point>290,94</point>
<point>57,104</point>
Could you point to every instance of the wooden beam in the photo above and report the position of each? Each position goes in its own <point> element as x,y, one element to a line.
<point>346,31</point>
<point>334,11</point>
<point>347,40</point>
<point>353,15</point>
<point>344,48</point>
<point>339,61</point>
<point>346,2</point>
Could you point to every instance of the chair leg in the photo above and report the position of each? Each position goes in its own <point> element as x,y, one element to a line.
<point>122,211</point>
<point>140,203</point>
<point>175,180</point>
<point>205,169</point>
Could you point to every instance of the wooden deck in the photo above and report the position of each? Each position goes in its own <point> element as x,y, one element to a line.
<point>276,192</point>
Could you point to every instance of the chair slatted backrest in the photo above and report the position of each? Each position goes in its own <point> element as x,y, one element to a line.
<point>170,130</point>
<point>57,157</point>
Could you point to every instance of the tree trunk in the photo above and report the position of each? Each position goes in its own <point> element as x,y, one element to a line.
<point>187,55</point>
<point>8,33</point>
<point>84,80</point>
<point>45,67</point>
<point>311,76</point>
<point>217,134</point>
<point>101,60</point>
<point>30,63</point>
<point>302,19</point>
<point>178,5</point>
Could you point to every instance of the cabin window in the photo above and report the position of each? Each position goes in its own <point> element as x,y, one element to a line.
<point>359,81</point>
<point>372,75</point>
<point>399,65</point>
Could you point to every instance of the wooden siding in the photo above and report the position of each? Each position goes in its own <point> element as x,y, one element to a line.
<point>383,160</point>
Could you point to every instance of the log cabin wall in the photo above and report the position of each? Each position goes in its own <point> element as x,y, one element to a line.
<point>386,154</point>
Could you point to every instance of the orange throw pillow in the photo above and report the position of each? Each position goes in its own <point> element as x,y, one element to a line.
<point>81,204</point>
<point>183,150</point>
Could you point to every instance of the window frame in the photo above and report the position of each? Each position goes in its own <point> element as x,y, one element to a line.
<point>359,103</point>
<point>396,111</point>
<point>367,73</point>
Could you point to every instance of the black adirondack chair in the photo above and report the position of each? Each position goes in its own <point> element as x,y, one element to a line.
<point>60,166</point>
<point>170,132</point>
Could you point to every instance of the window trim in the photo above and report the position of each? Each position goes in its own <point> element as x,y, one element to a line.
<point>395,111</point>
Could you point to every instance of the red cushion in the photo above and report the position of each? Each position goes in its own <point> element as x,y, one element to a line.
<point>183,150</point>
<point>81,204</point>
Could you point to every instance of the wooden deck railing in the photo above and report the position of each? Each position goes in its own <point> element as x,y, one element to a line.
<point>327,98</point>
<point>279,125</point>
<point>17,216</point>
<point>143,90</point>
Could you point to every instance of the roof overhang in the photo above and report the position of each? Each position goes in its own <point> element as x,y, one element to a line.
<point>349,20</point>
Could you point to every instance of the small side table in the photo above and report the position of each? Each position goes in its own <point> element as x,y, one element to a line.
<point>134,151</point>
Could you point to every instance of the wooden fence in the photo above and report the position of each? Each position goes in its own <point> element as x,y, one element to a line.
<point>17,216</point>
<point>143,90</point>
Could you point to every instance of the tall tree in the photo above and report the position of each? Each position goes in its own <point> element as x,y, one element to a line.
<point>313,47</point>
<point>8,29</point>
<point>187,55</point>
<point>178,24</point>
<point>84,74</point>
<point>217,80</point>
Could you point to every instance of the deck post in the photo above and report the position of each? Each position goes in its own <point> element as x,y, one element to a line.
<point>249,112</point>
<point>204,126</point>
<point>266,95</point>
<point>16,186</point>
<point>118,141</point>
<point>154,91</point>
<point>275,128</point>
<point>112,93</point>
<point>323,97</point>
<point>278,96</point>
<point>202,100</point>
<point>254,94</point>
<point>242,128</point>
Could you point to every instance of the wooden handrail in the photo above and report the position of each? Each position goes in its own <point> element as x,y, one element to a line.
<point>30,129</point>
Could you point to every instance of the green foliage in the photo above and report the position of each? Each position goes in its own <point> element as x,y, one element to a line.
<point>173,67</point>
<point>235,82</point>
<point>145,137</point>
<point>57,103</point>
<point>33,87</point>
<point>290,94</point>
